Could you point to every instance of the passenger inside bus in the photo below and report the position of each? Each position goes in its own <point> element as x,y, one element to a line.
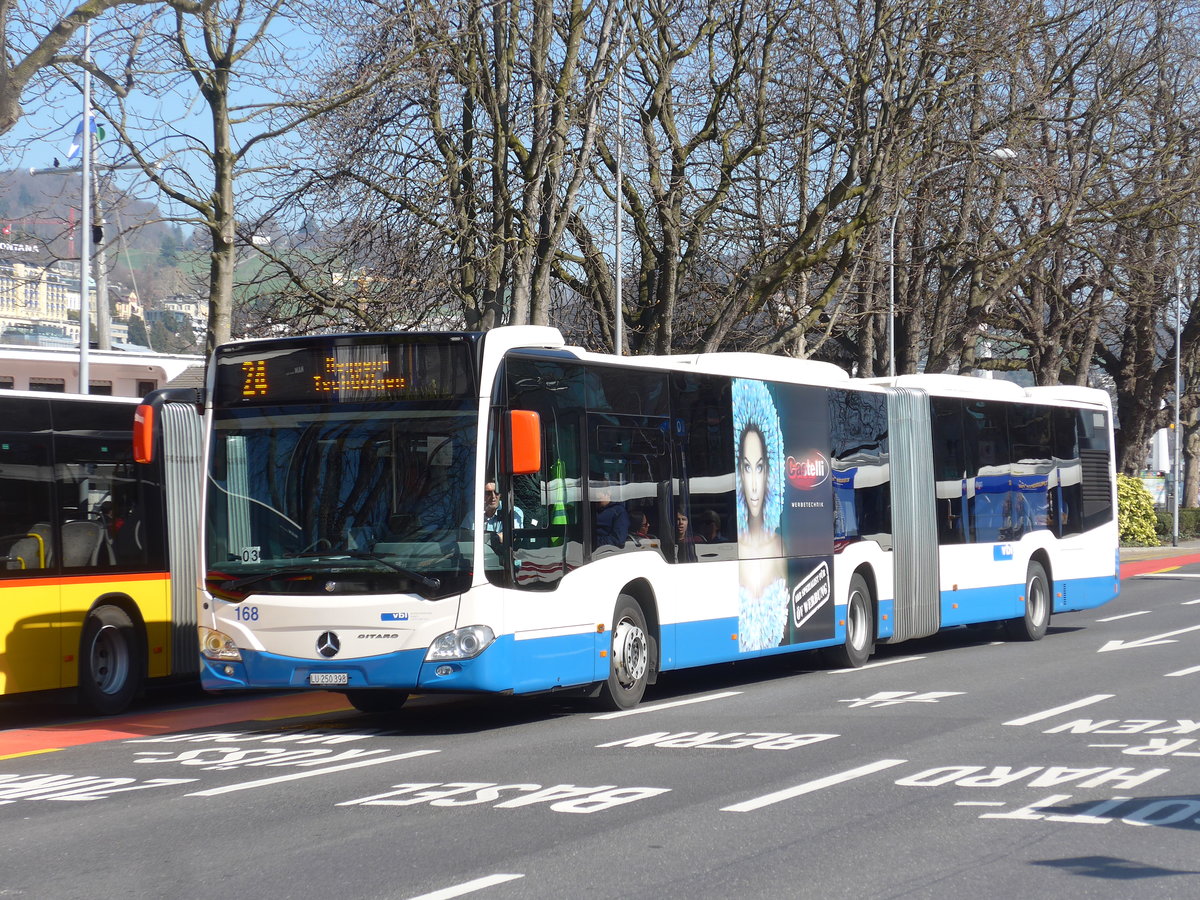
<point>611,521</point>
<point>639,527</point>
<point>685,540</point>
<point>708,527</point>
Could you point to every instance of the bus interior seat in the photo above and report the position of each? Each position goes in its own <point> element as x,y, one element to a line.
<point>83,543</point>
<point>32,549</point>
<point>23,553</point>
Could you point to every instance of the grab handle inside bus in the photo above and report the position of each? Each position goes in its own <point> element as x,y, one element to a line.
<point>525,440</point>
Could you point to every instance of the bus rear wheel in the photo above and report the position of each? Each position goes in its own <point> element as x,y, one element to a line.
<point>110,661</point>
<point>377,701</point>
<point>1032,626</point>
<point>860,628</point>
<point>629,658</point>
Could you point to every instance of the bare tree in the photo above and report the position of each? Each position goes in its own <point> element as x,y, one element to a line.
<point>35,39</point>
<point>247,62</point>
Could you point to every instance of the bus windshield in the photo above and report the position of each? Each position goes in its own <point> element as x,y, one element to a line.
<point>341,498</point>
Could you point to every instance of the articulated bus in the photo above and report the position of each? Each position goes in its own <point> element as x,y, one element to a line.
<point>98,554</point>
<point>501,512</point>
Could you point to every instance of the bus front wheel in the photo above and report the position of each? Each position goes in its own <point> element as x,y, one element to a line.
<point>1032,626</point>
<point>860,627</point>
<point>629,662</point>
<point>110,663</point>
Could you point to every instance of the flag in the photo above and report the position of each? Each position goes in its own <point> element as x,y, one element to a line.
<point>77,142</point>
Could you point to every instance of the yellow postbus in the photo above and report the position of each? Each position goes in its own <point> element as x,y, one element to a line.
<point>96,551</point>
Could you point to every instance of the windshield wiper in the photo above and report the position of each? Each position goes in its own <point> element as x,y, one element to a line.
<point>426,580</point>
<point>240,584</point>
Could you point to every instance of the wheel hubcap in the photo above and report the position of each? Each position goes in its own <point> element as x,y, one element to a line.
<point>629,653</point>
<point>1037,600</point>
<point>856,622</point>
<point>109,660</point>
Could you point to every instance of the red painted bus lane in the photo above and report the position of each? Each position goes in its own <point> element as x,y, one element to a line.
<point>1147,566</point>
<point>18,742</point>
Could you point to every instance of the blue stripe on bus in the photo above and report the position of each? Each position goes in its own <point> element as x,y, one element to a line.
<point>541,664</point>
<point>507,665</point>
<point>270,670</point>
<point>1086,593</point>
<point>988,604</point>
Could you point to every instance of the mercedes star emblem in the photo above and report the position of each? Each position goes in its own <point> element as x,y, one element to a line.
<point>328,644</point>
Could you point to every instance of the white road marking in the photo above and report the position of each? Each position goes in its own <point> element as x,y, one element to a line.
<point>657,706</point>
<point>1190,602</point>
<point>1051,713</point>
<point>1192,671</point>
<point>810,786</point>
<point>296,776</point>
<point>979,803</point>
<point>468,887</point>
<point>1150,641</point>
<point>1144,612</point>
<point>892,698</point>
<point>877,665</point>
<point>1172,575</point>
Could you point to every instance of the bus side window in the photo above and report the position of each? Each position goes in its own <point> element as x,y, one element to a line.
<point>26,538</point>
<point>985,429</point>
<point>703,455</point>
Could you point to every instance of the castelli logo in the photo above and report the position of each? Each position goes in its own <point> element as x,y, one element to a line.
<point>808,471</point>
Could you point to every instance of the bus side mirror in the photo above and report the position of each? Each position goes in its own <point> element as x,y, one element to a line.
<point>143,434</point>
<point>525,441</point>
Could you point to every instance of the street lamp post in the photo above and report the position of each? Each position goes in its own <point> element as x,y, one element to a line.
<point>1177,462</point>
<point>997,153</point>
<point>85,213</point>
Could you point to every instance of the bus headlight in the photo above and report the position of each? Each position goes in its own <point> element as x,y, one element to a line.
<point>217,645</point>
<point>461,643</point>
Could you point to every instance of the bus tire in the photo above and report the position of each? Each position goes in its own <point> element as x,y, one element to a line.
<point>1032,626</point>
<point>860,627</point>
<point>629,657</point>
<point>110,661</point>
<point>376,701</point>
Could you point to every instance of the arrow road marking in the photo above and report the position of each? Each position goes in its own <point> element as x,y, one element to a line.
<point>1147,641</point>
<point>891,698</point>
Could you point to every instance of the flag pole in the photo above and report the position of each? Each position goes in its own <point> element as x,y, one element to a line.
<point>85,242</point>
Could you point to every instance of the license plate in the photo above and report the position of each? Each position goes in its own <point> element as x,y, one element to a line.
<point>328,678</point>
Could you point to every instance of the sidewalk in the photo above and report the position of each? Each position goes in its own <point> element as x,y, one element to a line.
<point>1143,560</point>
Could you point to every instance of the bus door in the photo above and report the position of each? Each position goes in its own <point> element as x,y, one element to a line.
<point>541,539</point>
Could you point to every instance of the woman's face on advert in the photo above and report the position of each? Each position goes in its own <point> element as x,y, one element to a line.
<point>754,473</point>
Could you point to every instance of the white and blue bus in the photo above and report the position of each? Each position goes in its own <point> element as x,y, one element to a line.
<point>501,512</point>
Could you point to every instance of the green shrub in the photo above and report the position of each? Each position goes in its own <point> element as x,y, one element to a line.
<point>1135,513</point>
<point>1189,522</point>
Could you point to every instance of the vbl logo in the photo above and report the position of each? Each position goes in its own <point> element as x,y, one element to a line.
<point>807,471</point>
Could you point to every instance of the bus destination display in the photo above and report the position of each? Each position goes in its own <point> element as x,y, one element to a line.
<point>345,372</point>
